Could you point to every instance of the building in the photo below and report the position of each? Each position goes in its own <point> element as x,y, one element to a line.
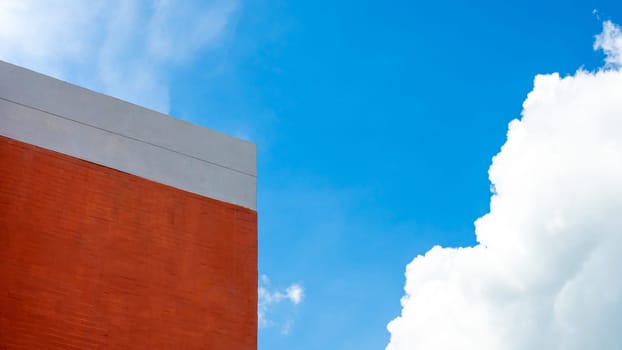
<point>120,227</point>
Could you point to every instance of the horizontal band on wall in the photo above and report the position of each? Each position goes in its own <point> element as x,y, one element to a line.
<point>56,115</point>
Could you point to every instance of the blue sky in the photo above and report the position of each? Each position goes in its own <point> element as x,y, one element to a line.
<point>375,123</point>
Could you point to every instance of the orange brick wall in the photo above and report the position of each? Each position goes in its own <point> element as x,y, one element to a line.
<point>93,258</point>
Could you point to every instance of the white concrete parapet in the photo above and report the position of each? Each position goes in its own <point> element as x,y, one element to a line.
<point>65,118</point>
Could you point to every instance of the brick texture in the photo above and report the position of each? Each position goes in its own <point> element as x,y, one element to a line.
<point>93,258</point>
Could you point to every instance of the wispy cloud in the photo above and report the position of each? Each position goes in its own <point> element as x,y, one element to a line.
<point>610,41</point>
<point>545,272</point>
<point>119,47</point>
<point>268,298</point>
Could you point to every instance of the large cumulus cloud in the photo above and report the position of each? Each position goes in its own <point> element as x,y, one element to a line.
<point>546,272</point>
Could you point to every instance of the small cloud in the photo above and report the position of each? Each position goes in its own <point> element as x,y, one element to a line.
<point>269,299</point>
<point>295,293</point>
<point>286,327</point>
<point>610,41</point>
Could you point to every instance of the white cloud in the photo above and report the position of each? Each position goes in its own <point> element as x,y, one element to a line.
<point>610,41</point>
<point>269,298</point>
<point>546,271</point>
<point>294,293</point>
<point>119,47</point>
